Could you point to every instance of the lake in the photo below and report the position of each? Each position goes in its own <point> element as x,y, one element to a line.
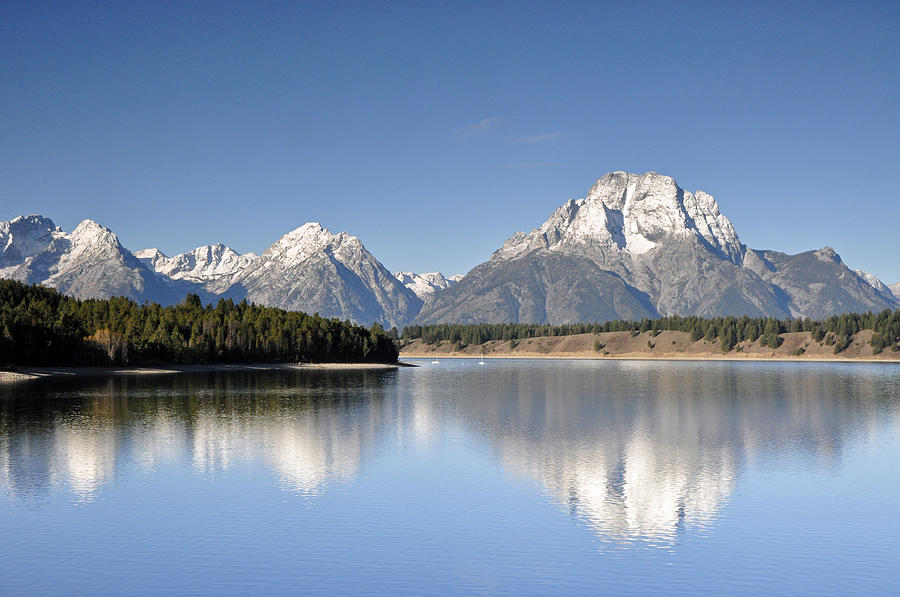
<point>514,477</point>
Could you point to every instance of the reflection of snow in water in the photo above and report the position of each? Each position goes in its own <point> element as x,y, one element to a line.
<point>646,451</point>
<point>636,490</point>
<point>84,457</point>
<point>5,474</point>
<point>308,453</point>
<point>162,439</point>
<point>306,450</point>
<point>216,441</point>
<point>638,459</point>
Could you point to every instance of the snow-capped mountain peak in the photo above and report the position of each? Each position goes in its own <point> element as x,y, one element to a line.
<point>89,262</point>
<point>426,284</point>
<point>312,269</point>
<point>90,232</point>
<point>203,264</point>
<point>312,239</point>
<point>301,242</point>
<point>152,253</point>
<point>25,236</point>
<point>152,257</point>
<point>630,214</point>
<point>91,241</point>
<point>873,281</point>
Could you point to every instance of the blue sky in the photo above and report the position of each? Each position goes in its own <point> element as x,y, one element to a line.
<point>434,131</point>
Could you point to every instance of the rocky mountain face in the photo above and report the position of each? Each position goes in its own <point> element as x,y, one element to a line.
<point>426,284</point>
<point>895,288</point>
<point>636,246</point>
<point>213,266</point>
<point>89,262</point>
<point>310,269</point>
<point>640,246</point>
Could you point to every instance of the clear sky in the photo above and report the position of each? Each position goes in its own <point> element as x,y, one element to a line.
<point>434,131</point>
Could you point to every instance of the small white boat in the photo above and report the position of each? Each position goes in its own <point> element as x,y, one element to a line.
<point>435,362</point>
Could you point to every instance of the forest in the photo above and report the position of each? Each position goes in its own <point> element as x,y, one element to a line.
<point>40,326</point>
<point>836,331</point>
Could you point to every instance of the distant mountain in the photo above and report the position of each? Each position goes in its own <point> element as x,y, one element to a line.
<point>895,288</point>
<point>87,263</point>
<point>313,270</point>
<point>640,246</point>
<point>636,246</point>
<point>309,269</point>
<point>213,266</point>
<point>425,285</point>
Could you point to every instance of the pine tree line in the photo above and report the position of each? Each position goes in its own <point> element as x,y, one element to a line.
<point>837,330</point>
<point>40,326</point>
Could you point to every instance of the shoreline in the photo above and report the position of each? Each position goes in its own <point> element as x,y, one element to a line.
<point>32,373</point>
<point>642,357</point>
<point>793,347</point>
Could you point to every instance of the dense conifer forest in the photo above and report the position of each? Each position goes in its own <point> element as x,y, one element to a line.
<point>728,331</point>
<point>40,326</point>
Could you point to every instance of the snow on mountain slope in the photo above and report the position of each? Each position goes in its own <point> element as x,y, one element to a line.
<point>635,246</point>
<point>151,256</point>
<point>626,215</point>
<point>214,266</point>
<point>31,246</point>
<point>310,269</point>
<point>646,246</point>
<point>25,237</point>
<point>89,262</point>
<point>426,284</point>
<point>873,281</point>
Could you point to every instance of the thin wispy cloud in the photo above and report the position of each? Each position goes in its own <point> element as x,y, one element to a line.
<point>479,127</point>
<point>543,137</point>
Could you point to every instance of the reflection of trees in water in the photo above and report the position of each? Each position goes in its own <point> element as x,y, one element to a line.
<point>642,450</point>
<point>637,450</point>
<point>310,428</point>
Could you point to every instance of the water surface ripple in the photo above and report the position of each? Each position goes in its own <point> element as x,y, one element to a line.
<point>513,477</point>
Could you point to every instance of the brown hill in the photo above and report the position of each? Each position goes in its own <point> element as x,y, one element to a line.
<point>798,346</point>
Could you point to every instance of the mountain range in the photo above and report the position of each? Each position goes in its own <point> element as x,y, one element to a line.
<point>637,245</point>
<point>640,246</point>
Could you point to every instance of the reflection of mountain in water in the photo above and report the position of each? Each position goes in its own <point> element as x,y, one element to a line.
<point>310,429</point>
<point>639,451</point>
<point>642,450</point>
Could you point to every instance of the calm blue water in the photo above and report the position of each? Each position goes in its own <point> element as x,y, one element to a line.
<point>517,477</point>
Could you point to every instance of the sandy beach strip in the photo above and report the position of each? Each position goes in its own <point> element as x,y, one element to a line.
<point>30,373</point>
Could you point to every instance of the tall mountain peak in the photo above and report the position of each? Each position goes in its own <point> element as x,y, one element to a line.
<point>308,269</point>
<point>89,231</point>
<point>309,235</point>
<point>313,270</point>
<point>306,230</point>
<point>827,254</point>
<point>638,245</point>
<point>310,239</point>
<point>34,220</point>
<point>630,214</point>
<point>25,236</point>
